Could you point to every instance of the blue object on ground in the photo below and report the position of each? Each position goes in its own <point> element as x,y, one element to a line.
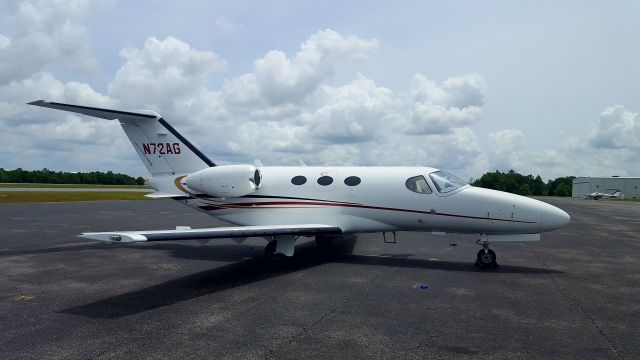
<point>422,286</point>
<point>453,244</point>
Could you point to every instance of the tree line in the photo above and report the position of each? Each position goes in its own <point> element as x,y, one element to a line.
<point>511,181</point>
<point>516,183</point>
<point>46,176</point>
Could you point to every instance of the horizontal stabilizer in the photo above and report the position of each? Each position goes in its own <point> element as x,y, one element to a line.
<point>213,233</point>
<point>96,112</point>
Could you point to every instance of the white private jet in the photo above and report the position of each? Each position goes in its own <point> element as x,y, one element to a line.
<point>598,195</point>
<point>282,203</point>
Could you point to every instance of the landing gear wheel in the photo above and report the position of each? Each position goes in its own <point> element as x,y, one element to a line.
<point>270,252</point>
<point>486,258</point>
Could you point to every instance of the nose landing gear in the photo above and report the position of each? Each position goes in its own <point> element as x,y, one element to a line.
<point>486,257</point>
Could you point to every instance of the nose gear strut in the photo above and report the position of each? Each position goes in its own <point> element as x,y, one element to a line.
<point>486,257</point>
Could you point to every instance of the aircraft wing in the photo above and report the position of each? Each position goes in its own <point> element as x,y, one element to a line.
<point>214,233</point>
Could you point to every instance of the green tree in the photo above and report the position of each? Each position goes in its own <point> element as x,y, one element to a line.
<point>562,190</point>
<point>538,187</point>
<point>515,183</point>
<point>524,190</point>
<point>47,176</point>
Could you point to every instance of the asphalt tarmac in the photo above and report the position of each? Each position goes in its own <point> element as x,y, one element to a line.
<point>574,295</point>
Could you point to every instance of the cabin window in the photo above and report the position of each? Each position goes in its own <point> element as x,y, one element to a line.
<point>352,181</point>
<point>418,184</point>
<point>446,182</point>
<point>298,180</point>
<point>325,180</point>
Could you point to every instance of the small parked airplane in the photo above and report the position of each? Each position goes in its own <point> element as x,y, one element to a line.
<point>598,195</point>
<point>282,203</point>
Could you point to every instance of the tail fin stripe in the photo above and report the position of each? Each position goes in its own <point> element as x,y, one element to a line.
<point>195,150</point>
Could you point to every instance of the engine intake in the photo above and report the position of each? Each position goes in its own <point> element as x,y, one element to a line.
<point>226,180</point>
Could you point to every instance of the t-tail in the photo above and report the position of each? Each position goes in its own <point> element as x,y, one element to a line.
<point>162,149</point>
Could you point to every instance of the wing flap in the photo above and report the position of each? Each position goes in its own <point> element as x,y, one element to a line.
<point>163,195</point>
<point>213,233</point>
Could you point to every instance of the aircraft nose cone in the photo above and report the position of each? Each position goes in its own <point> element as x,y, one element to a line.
<point>552,218</point>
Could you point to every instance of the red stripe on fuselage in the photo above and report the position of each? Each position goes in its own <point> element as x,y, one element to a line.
<point>315,203</point>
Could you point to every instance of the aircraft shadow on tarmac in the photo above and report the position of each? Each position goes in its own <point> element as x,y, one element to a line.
<point>249,271</point>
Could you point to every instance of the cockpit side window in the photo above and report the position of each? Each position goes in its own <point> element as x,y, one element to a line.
<point>446,182</point>
<point>418,184</point>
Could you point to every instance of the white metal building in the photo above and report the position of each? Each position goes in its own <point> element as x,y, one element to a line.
<point>628,186</point>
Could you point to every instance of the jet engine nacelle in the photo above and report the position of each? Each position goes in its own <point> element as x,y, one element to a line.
<point>226,180</point>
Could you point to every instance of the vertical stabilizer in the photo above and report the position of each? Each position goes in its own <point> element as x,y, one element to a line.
<point>161,148</point>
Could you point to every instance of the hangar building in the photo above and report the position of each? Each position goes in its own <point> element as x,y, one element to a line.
<point>628,186</point>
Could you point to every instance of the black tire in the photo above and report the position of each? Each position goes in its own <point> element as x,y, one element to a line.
<point>270,252</point>
<point>486,258</point>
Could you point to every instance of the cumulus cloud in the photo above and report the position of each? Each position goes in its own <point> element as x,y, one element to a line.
<point>617,128</point>
<point>351,113</point>
<point>162,71</point>
<point>278,78</point>
<point>506,150</point>
<point>44,31</point>
<point>457,103</point>
<point>42,37</point>
<point>285,110</point>
<point>609,149</point>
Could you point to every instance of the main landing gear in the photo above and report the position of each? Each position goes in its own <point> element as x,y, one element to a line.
<point>280,247</point>
<point>486,256</point>
<point>270,252</point>
<point>283,246</point>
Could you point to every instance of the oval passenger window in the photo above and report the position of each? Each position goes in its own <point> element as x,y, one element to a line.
<point>352,181</point>
<point>298,180</point>
<point>325,180</point>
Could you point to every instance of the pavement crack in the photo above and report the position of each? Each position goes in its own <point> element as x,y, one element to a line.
<point>577,304</point>
<point>271,351</point>
<point>305,328</point>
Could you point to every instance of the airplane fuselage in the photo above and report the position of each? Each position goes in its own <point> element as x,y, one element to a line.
<point>374,199</point>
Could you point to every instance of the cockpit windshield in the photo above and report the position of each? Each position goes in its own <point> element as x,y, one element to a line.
<point>445,182</point>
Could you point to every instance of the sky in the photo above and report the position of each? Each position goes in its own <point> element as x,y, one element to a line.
<point>548,88</point>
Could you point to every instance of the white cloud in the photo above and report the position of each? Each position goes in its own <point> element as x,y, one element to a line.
<point>617,128</point>
<point>506,150</point>
<point>284,111</point>
<point>280,79</point>
<point>609,149</point>
<point>44,32</point>
<point>162,71</point>
<point>351,113</point>
<point>439,109</point>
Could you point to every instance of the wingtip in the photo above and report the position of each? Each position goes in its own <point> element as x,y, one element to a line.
<point>37,102</point>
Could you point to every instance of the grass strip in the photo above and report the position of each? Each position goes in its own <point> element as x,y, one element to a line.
<point>32,186</point>
<point>32,197</point>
